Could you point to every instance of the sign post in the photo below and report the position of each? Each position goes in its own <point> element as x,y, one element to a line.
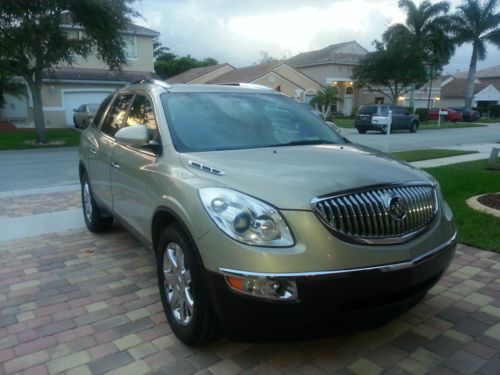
<point>389,123</point>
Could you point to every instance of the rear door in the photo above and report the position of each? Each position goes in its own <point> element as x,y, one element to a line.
<point>131,168</point>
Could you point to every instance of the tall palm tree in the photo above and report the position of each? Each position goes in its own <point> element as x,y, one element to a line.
<point>427,27</point>
<point>476,22</point>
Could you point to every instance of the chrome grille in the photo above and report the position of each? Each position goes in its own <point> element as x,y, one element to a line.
<point>379,214</point>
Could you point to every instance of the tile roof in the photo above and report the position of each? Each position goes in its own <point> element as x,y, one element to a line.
<point>325,55</point>
<point>77,74</point>
<point>490,72</point>
<point>194,73</point>
<point>456,87</point>
<point>247,74</point>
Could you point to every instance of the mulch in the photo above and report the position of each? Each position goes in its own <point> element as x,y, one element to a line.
<point>8,126</point>
<point>490,200</point>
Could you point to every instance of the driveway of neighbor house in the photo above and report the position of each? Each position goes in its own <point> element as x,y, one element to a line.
<point>84,303</point>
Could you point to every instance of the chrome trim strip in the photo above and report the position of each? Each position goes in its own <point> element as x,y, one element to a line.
<point>206,168</point>
<point>382,268</point>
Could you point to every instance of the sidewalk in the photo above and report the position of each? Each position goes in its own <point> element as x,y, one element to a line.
<point>483,149</point>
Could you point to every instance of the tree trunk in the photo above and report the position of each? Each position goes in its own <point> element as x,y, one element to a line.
<point>469,89</point>
<point>36,94</point>
<point>431,76</point>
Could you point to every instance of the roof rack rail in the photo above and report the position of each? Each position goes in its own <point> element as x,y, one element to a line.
<point>248,85</point>
<point>152,81</point>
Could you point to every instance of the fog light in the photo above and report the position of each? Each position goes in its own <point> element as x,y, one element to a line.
<point>285,290</point>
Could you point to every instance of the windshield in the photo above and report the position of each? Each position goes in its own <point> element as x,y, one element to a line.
<point>228,121</point>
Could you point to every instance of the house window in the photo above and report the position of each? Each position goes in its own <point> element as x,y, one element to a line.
<point>349,90</point>
<point>130,47</point>
<point>379,100</point>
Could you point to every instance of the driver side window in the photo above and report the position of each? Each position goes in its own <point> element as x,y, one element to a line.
<point>142,113</point>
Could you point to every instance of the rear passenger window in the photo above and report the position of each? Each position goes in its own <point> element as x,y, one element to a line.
<point>115,119</point>
<point>368,110</point>
<point>100,112</point>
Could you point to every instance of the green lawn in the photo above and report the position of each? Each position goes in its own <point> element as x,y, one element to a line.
<point>344,122</point>
<point>460,182</point>
<point>16,140</point>
<point>489,120</point>
<point>426,154</point>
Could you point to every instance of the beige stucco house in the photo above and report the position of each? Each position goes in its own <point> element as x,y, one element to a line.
<point>486,88</point>
<point>277,76</point>
<point>87,80</point>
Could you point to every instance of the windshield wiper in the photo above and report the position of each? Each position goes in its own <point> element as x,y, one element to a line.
<point>303,143</point>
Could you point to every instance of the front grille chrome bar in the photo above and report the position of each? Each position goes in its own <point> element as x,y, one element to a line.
<point>381,214</point>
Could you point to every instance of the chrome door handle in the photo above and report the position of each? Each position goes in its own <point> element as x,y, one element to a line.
<point>115,165</point>
<point>93,151</point>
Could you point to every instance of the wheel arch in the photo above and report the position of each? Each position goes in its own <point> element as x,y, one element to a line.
<point>162,217</point>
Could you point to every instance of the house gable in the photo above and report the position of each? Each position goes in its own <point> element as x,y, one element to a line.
<point>489,93</point>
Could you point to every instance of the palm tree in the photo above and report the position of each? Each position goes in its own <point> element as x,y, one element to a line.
<point>325,99</point>
<point>426,25</point>
<point>476,22</point>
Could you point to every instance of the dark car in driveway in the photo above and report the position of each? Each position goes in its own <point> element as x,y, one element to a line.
<point>376,117</point>
<point>468,114</point>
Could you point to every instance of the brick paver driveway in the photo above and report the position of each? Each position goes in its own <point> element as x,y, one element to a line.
<point>80,303</point>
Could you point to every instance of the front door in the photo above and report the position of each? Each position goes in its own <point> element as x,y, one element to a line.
<point>101,164</point>
<point>131,169</point>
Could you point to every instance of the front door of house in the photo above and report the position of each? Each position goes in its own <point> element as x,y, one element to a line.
<point>347,108</point>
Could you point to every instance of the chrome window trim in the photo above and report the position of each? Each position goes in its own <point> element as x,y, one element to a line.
<point>346,271</point>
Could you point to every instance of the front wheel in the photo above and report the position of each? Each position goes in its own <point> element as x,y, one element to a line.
<point>413,127</point>
<point>183,290</point>
<point>94,219</point>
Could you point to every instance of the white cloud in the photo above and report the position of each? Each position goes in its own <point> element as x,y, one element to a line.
<point>236,31</point>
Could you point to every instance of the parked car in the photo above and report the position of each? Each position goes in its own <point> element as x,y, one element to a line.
<point>451,114</point>
<point>376,117</point>
<point>313,110</point>
<point>468,114</point>
<point>262,222</point>
<point>83,115</point>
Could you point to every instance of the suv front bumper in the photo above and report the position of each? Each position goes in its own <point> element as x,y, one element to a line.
<point>330,302</point>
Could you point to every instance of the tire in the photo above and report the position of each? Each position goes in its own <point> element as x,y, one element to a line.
<point>94,220</point>
<point>413,127</point>
<point>361,131</point>
<point>189,312</point>
<point>383,129</point>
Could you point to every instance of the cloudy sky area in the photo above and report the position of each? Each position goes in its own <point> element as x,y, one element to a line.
<point>236,31</point>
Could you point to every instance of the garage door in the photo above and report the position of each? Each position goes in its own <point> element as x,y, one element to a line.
<point>74,99</point>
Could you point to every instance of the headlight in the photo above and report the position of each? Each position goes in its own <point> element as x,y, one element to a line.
<point>246,219</point>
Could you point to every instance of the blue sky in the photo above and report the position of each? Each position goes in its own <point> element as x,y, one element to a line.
<point>236,31</point>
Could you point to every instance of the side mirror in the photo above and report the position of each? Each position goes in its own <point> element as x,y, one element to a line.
<point>407,113</point>
<point>75,110</point>
<point>136,136</point>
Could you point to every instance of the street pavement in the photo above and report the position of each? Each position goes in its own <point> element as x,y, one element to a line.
<point>79,303</point>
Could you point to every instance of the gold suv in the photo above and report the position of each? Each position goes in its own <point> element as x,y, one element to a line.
<point>261,216</point>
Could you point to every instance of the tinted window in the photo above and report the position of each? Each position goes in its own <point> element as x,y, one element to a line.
<point>224,121</point>
<point>368,110</point>
<point>142,113</point>
<point>398,110</point>
<point>93,108</point>
<point>116,115</point>
<point>100,111</point>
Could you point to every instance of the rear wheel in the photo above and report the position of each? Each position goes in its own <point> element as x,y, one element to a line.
<point>413,127</point>
<point>183,290</point>
<point>94,219</point>
<point>383,129</point>
<point>361,131</point>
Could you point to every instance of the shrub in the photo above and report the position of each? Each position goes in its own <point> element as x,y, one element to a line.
<point>494,110</point>
<point>410,109</point>
<point>422,113</point>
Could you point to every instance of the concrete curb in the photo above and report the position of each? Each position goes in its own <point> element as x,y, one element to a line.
<point>476,205</point>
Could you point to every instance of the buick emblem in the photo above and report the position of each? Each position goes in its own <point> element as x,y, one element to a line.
<point>396,208</point>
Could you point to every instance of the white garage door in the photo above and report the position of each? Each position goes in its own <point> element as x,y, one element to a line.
<point>73,100</point>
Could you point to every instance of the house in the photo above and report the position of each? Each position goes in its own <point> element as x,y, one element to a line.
<point>486,88</point>
<point>202,74</point>
<point>89,80</point>
<point>277,76</point>
<point>333,66</point>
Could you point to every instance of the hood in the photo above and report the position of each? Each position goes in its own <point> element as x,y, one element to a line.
<point>290,177</point>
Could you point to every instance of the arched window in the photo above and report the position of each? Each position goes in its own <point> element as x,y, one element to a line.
<point>349,90</point>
